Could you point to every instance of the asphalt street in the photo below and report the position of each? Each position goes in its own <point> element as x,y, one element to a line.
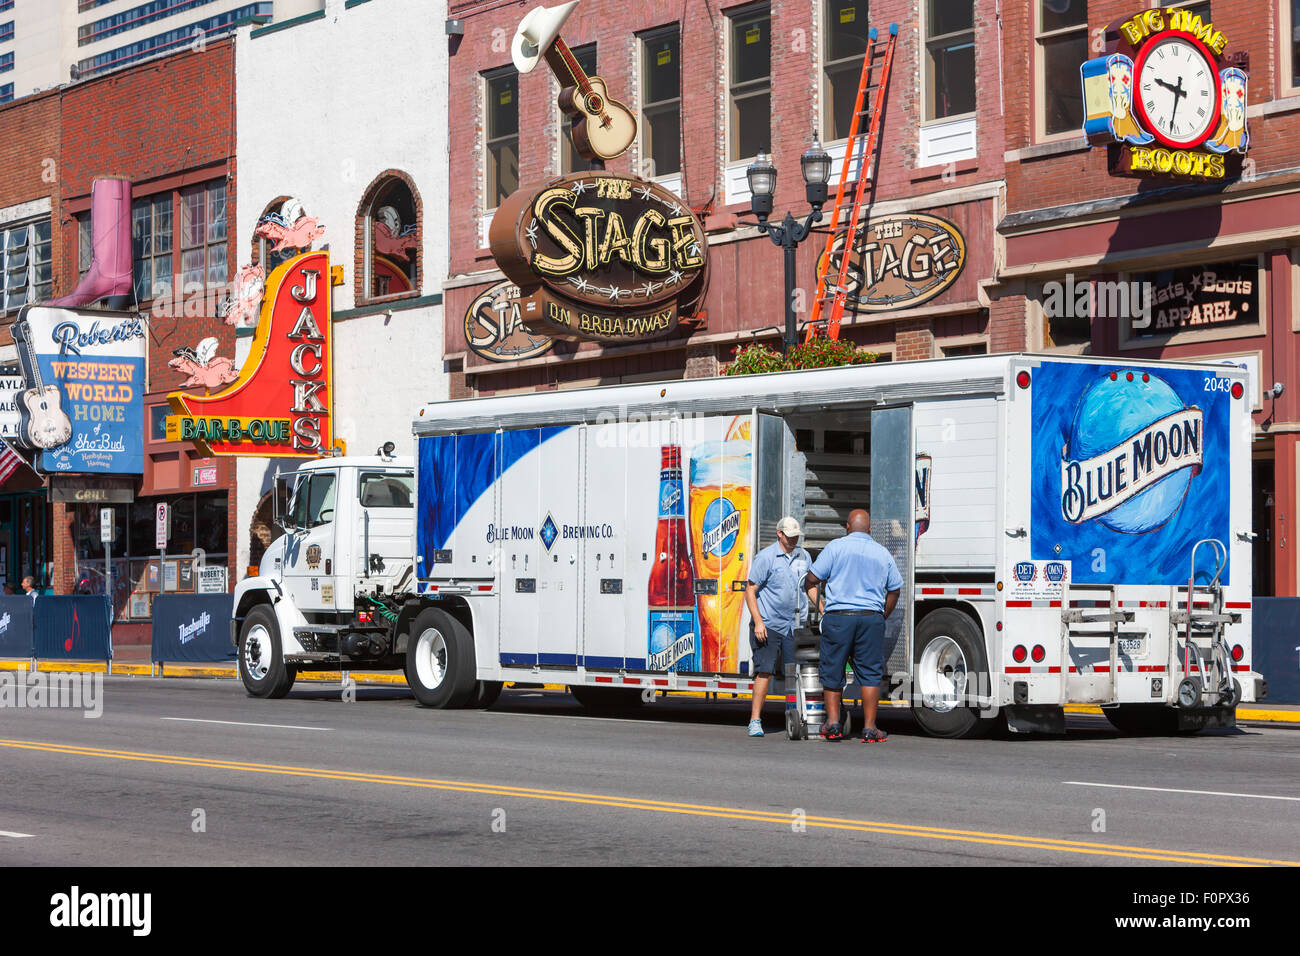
<point>194,772</point>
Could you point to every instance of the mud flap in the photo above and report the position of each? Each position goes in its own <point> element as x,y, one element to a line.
<point>1207,718</point>
<point>1035,719</point>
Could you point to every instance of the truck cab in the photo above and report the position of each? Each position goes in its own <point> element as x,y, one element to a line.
<point>328,588</point>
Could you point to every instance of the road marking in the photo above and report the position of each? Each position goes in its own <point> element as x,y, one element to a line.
<point>11,833</point>
<point>780,818</point>
<point>1201,793</point>
<point>240,723</point>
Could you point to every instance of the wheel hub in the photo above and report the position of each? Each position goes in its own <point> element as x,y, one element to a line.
<point>942,675</point>
<point>257,663</point>
<point>431,658</point>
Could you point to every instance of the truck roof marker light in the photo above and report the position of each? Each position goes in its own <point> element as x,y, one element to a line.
<point>1022,378</point>
<point>663,392</point>
<point>999,585</point>
<point>1237,390</point>
<point>1018,653</point>
<point>1238,652</point>
<point>1129,376</point>
<point>999,625</point>
<point>1039,653</point>
<point>1114,376</point>
<point>1146,377</point>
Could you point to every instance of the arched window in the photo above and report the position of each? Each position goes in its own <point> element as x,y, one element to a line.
<point>283,230</point>
<point>390,228</point>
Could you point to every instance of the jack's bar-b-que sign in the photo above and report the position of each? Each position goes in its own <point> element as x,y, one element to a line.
<point>281,405</point>
<point>601,257</point>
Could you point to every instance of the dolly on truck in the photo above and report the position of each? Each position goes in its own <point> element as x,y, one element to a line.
<point>1070,530</point>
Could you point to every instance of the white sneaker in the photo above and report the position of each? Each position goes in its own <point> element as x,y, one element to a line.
<point>755,728</point>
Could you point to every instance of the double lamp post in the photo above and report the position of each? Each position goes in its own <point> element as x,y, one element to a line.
<point>816,166</point>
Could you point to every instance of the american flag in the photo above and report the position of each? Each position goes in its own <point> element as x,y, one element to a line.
<point>9,460</point>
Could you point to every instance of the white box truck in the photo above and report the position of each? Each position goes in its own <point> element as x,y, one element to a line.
<point>1069,531</point>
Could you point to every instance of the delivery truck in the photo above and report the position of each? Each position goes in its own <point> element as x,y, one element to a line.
<point>1069,530</point>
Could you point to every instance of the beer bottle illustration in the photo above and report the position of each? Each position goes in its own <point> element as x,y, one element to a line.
<point>721,475</point>
<point>673,636</point>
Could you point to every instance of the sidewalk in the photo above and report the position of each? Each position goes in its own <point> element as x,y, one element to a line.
<point>132,660</point>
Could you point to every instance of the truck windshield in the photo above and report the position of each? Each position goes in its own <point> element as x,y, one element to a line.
<point>387,489</point>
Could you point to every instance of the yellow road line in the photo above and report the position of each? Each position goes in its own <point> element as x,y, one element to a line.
<point>658,806</point>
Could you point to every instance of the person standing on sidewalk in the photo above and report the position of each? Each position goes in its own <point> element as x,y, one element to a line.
<point>775,605</point>
<point>862,585</point>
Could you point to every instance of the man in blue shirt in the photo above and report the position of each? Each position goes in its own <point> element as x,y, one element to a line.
<point>862,585</point>
<point>775,605</point>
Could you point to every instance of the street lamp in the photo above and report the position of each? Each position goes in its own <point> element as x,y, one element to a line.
<point>816,167</point>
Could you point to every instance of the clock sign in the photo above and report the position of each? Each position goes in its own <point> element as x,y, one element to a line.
<point>1178,95</point>
<point>1165,100</point>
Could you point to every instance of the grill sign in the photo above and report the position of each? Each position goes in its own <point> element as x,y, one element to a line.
<point>494,329</point>
<point>601,257</point>
<point>900,261</point>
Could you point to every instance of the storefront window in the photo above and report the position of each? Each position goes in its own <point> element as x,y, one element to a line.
<point>750,84</point>
<point>1062,40</point>
<point>846,45</point>
<point>572,161</point>
<point>950,58</point>
<point>661,110</point>
<point>139,572</point>
<point>502,135</point>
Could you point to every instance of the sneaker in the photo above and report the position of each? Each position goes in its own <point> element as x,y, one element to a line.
<point>755,728</point>
<point>832,732</point>
<point>873,736</point>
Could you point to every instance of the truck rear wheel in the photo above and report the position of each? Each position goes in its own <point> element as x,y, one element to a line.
<point>949,671</point>
<point>261,658</point>
<point>440,666</point>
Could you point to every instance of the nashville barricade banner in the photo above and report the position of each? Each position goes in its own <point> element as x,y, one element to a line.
<point>192,627</point>
<point>73,628</point>
<point>16,626</point>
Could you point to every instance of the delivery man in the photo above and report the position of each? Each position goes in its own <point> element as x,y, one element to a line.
<point>775,607</point>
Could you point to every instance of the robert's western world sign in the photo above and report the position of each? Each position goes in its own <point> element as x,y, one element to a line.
<point>602,257</point>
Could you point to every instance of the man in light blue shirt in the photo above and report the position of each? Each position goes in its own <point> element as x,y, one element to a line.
<point>775,606</point>
<point>861,588</point>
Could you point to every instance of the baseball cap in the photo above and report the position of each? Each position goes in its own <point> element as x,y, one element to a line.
<point>788,527</point>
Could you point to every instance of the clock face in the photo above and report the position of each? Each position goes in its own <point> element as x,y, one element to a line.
<point>1177,95</point>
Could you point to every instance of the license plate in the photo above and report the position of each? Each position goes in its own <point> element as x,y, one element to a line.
<point>1132,646</point>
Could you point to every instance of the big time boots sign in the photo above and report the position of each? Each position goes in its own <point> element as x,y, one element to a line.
<point>601,257</point>
<point>281,405</point>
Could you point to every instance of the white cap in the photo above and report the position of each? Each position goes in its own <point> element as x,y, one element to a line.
<point>788,527</point>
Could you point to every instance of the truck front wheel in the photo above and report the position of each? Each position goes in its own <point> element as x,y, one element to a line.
<point>949,673</point>
<point>261,659</point>
<point>440,665</point>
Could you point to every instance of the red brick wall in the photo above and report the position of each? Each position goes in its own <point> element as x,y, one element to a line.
<point>30,129</point>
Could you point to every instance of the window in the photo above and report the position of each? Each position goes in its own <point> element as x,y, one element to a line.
<point>950,58</point>
<point>6,93</point>
<point>1199,7</point>
<point>7,30</point>
<point>385,489</point>
<point>6,5</point>
<point>502,135</point>
<point>750,84</point>
<point>1290,21</point>
<point>284,211</point>
<point>25,250</point>
<point>846,45</point>
<point>1062,41</point>
<point>389,220</point>
<point>132,18</point>
<point>571,160</point>
<point>203,237</point>
<point>151,241</point>
<point>172,40</point>
<point>313,502</point>
<point>6,62</point>
<point>964,348</point>
<point>661,101</point>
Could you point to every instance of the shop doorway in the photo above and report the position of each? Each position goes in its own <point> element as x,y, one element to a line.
<point>1263,512</point>
<point>25,539</point>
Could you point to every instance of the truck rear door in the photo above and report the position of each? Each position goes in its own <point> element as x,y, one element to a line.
<point>893,491</point>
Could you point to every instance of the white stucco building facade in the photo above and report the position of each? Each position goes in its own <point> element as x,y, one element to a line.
<point>342,117</point>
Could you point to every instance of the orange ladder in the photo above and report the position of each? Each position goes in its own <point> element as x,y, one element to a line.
<point>832,287</point>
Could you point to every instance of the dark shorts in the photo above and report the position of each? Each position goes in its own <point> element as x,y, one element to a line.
<point>860,637</point>
<point>771,658</point>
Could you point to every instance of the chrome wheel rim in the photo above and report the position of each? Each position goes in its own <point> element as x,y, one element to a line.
<point>257,652</point>
<point>431,658</point>
<point>942,675</point>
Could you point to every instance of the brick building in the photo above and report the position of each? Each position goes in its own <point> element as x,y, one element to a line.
<point>168,126</point>
<point>712,86</point>
<point>1070,223</point>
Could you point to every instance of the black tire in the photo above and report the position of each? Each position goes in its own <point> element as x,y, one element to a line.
<point>440,667</point>
<point>945,639</point>
<point>1144,720</point>
<point>261,658</point>
<point>486,693</point>
<point>607,700</point>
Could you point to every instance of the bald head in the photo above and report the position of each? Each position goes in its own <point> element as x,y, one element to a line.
<point>859,521</point>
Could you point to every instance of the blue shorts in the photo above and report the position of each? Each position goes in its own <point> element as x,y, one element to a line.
<point>861,637</point>
<point>771,658</point>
